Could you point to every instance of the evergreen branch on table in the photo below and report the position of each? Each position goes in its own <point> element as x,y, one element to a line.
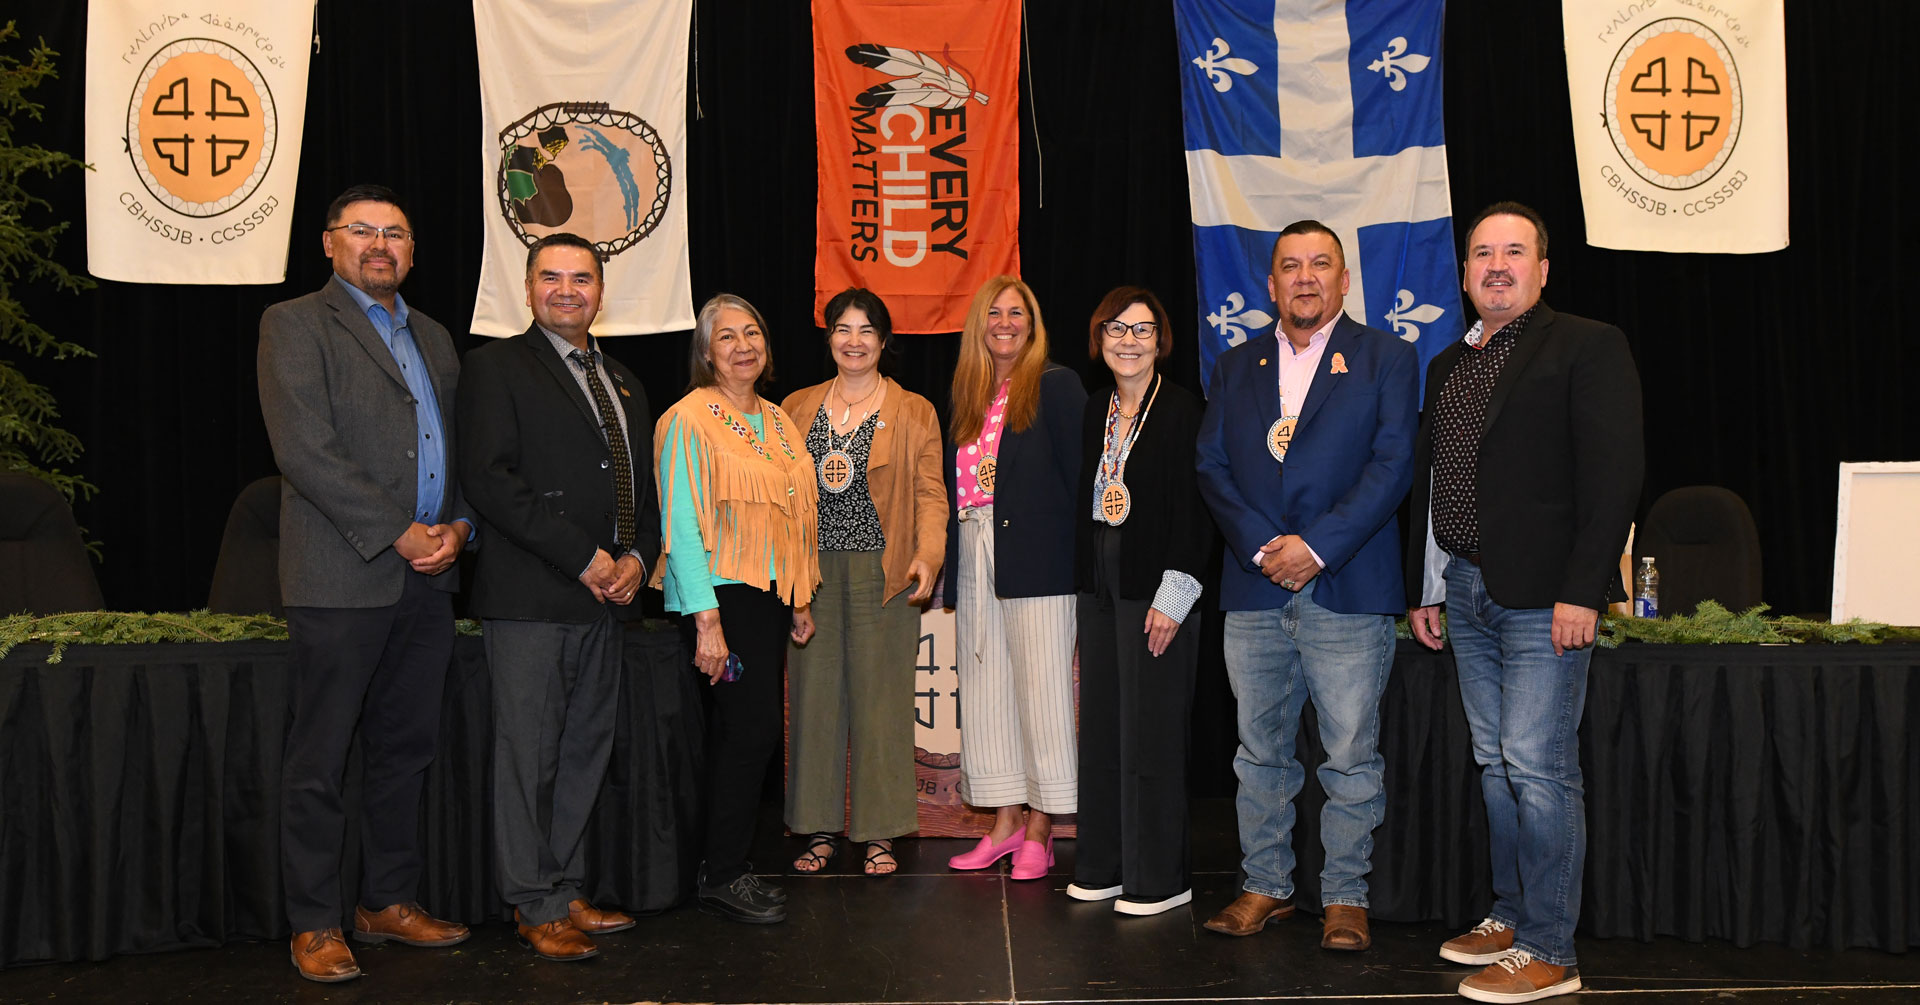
<point>106,628</point>
<point>1713,624</point>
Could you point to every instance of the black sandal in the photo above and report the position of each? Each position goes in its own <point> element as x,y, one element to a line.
<point>814,860</point>
<point>877,851</point>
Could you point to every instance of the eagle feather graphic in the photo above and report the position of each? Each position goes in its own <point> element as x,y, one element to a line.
<point>919,79</point>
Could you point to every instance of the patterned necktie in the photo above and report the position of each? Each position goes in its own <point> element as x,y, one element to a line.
<point>617,442</point>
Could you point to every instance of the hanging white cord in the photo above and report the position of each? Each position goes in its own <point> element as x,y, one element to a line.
<point>1033,113</point>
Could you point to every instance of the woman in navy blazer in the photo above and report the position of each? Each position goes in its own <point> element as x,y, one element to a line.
<point>1011,460</point>
<point>1142,538</point>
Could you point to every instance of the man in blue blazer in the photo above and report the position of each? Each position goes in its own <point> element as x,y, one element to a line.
<point>1304,454</point>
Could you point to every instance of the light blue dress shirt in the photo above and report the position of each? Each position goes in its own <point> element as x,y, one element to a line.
<point>430,453</point>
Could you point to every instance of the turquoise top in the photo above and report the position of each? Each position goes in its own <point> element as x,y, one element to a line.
<point>689,579</point>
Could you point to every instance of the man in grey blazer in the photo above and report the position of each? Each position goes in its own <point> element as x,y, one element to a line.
<point>357,390</point>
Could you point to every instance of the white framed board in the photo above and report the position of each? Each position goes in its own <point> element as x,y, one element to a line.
<point>1876,543</point>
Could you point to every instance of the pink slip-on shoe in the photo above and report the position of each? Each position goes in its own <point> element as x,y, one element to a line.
<point>986,852</point>
<point>1033,859</point>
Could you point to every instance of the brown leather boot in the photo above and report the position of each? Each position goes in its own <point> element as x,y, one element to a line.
<point>1248,914</point>
<point>323,956</point>
<point>594,921</point>
<point>408,924</point>
<point>1345,927</point>
<point>556,940</point>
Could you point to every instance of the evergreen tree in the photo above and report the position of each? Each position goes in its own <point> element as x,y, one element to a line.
<point>30,439</point>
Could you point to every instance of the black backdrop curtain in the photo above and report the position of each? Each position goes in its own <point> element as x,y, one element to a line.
<point>1761,372</point>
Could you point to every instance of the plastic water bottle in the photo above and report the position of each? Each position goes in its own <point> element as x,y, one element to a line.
<point>1646,590</point>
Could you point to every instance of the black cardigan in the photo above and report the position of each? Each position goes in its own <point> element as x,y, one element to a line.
<point>1168,527</point>
<point>1033,511</point>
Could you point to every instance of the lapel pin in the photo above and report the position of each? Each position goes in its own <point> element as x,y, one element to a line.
<point>1339,364</point>
<point>624,393</point>
<point>1263,361</point>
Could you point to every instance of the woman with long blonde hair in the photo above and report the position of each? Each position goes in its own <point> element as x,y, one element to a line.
<point>1013,449</point>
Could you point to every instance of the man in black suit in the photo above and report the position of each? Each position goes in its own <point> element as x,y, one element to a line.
<point>1527,470</point>
<point>557,462</point>
<point>355,387</point>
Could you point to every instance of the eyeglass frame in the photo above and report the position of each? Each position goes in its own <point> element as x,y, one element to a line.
<point>1106,329</point>
<point>392,235</point>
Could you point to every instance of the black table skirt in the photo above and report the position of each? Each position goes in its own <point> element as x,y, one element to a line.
<point>141,806</point>
<point>1746,793</point>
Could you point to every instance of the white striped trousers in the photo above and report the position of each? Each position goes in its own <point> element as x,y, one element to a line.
<point>1016,686</point>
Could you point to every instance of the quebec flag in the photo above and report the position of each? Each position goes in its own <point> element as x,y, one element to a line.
<point>1319,109</point>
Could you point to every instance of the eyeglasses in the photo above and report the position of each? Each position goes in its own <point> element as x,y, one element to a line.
<point>1145,331</point>
<point>367,232</point>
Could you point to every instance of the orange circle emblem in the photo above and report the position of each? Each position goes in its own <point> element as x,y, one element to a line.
<point>1673,103</point>
<point>200,126</point>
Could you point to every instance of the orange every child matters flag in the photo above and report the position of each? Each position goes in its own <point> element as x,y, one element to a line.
<point>917,111</point>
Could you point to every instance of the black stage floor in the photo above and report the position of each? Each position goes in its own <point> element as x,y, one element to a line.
<point>930,935</point>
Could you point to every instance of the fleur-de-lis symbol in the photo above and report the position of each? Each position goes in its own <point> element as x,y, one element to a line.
<point>1406,319</point>
<point>1216,62</point>
<point>1395,63</point>
<point>1233,319</point>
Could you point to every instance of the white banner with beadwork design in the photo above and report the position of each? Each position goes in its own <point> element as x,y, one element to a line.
<point>194,118</point>
<point>583,106</point>
<point>1680,123</point>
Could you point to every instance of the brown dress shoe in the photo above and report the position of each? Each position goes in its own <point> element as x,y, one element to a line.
<point>1248,914</point>
<point>408,924</point>
<point>555,940</point>
<point>1345,927</point>
<point>594,921</point>
<point>323,956</point>
<point>1518,977</point>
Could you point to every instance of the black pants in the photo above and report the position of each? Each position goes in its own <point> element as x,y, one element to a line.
<point>743,723</point>
<point>382,669</point>
<point>1135,713</point>
<point>556,690</point>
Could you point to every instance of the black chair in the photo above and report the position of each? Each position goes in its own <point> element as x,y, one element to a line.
<point>1703,540</point>
<point>246,578</point>
<point>44,567</point>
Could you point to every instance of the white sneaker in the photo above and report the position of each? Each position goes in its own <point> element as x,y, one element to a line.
<point>1145,907</point>
<point>1078,892</point>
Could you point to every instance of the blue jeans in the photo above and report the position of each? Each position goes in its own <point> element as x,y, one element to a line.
<point>1524,705</point>
<point>1275,660</point>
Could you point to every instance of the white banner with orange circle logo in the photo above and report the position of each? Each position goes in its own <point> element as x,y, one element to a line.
<point>583,108</point>
<point>194,120</point>
<point>1680,123</point>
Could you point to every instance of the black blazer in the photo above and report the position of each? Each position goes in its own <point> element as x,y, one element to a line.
<point>1168,526</point>
<point>1033,498</point>
<point>1560,464</point>
<point>536,469</point>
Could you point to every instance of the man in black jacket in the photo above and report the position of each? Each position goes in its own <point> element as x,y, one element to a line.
<point>1527,470</point>
<point>558,465</point>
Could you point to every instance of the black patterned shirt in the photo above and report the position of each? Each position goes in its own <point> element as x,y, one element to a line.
<point>1459,417</point>
<point>848,520</point>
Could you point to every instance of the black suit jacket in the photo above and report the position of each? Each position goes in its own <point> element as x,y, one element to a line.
<point>535,467</point>
<point>1560,464</point>
<point>1033,498</point>
<point>1167,526</point>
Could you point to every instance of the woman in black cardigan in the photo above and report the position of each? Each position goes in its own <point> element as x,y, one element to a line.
<point>1142,539</point>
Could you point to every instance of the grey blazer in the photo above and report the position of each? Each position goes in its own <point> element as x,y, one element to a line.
<point>342,425</point>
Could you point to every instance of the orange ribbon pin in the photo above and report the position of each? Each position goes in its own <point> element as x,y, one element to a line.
<point>1339,364</point>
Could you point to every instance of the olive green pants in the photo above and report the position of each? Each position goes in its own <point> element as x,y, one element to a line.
<point>852,687</point>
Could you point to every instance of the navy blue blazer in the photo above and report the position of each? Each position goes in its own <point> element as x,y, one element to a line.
<point>1033,498</point>
<point>1348,467</point>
